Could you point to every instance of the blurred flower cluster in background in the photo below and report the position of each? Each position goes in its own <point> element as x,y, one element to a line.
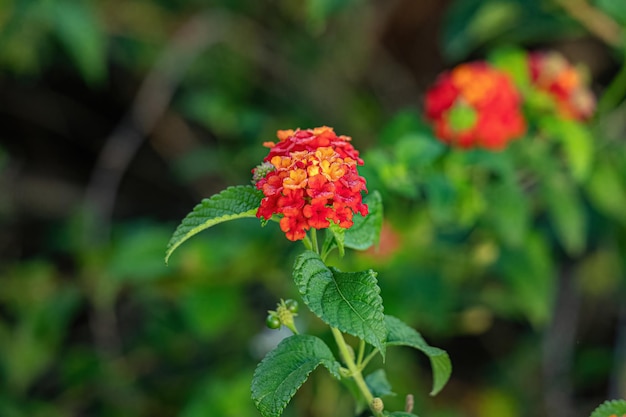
<point>495,131</point>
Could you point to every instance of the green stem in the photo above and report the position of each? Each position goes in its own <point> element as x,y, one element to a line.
<point>316,248</point>
<point>307,242</point>
<point>369,357</point>
<point>359,357</point>
<point>355,372</point>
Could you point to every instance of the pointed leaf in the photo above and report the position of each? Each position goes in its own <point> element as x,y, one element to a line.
<point>232,203</point>
<point>283,371</point>
<point>378,384</point>
<point>349,301</point>
<point>400,334</point>
<point>610,408</point>
<point>366,230</point>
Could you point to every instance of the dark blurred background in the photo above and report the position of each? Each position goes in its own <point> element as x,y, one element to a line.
<point>117,117</point>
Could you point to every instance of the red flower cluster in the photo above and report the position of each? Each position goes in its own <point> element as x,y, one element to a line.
<point>552,74</point>
<point>475,105</point>
<point>312,181</point>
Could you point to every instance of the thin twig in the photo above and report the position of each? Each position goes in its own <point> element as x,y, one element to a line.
<point>149,105</point>
<point>595,21</point>
<point>558,348</point>
<point>617,384</point>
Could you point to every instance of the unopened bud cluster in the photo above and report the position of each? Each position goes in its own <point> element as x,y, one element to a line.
<point>284,314</point>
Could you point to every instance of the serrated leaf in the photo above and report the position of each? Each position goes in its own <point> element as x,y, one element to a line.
<point>366,230</point>
<point>378,384</point>
<point>610,408</point>
<point>232,203</point>
<point>349,301</point>
<point>400,334</point>
<point>283,371</point>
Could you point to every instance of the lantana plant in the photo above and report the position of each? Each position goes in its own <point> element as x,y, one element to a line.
<point>516,169</point>
<point>309,181</point>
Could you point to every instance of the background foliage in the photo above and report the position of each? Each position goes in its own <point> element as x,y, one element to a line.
<point>118,117</point>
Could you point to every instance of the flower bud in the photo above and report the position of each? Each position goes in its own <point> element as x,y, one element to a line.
<point>377,405</point>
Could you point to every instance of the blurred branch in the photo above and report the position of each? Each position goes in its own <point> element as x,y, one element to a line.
<point>596,22</point>
<point>558,348</point>
<point>150,103</point>
<point>617,385</point>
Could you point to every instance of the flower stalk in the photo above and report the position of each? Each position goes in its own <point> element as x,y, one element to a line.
<point>355,371</point>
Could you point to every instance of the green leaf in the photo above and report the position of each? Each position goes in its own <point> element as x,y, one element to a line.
<point>283,371</point>
<point>378,384</point>
<point>508,212</point>
<point>336,238</point>
<point>610,408</point>
<point>529,272</point>
<point>405,122</point>
<point>576,143</point>
<point>349,301</point>
<point>606,189</point>
<point>402,414</point>
<point>472,23</point>
<point>365,231</point>
<point>442,198</point>
<point>615,8</point>
<point>400,334</point>
<point>232,203</point>
<point>513,61</point>
<point>566,213</point>
<point>319,11</point>
<point>418,150</point>
<point>81,34</point>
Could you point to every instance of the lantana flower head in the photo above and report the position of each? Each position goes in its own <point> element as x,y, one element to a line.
<point>552,74</point>
<point>312,181</point>
<point>475,105</point>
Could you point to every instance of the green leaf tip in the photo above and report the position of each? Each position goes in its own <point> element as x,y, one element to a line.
<point>610,408</point>
<point>348,301</point>
<point>283,371</point>
<point>400,334</point>
<point>233,203</point>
